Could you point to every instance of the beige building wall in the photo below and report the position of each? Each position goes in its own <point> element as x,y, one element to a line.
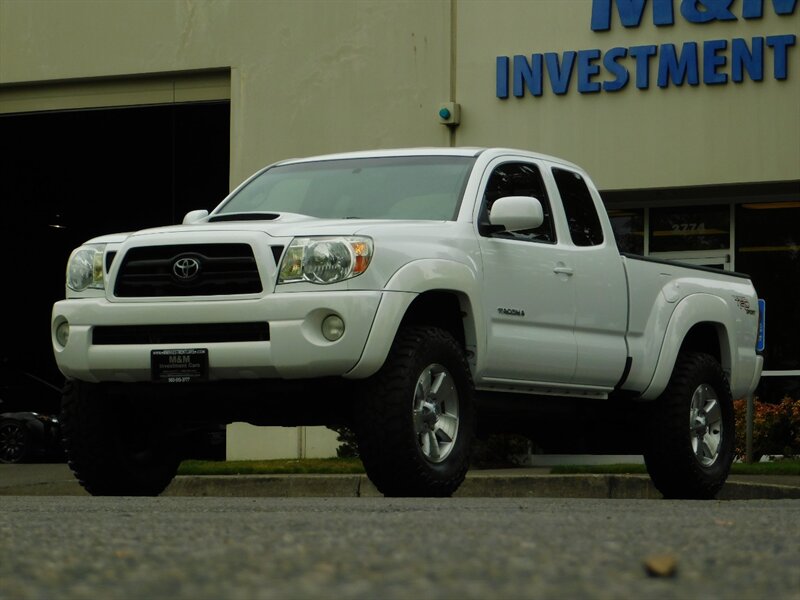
<point>676,136</point>
<point>248,442</point>
<point>320,76</point>
<point>306,77</point>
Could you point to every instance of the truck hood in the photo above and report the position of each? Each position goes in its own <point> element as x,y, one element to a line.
<point>285,225</point>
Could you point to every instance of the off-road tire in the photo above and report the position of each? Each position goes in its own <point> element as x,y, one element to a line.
<point>674,466</point>
<point>389,443</point>
<point>113,446</point>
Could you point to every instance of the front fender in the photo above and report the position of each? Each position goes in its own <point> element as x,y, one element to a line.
<point>403,287</point>
<point>425,275</point>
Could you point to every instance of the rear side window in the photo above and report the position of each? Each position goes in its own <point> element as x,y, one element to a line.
<point>584,225</point>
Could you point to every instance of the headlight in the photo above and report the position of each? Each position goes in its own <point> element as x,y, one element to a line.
<point>85,268</point>
<point>325,259</point>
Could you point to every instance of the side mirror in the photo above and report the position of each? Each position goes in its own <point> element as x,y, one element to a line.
<point>517,213</point>
<point>194,216</point>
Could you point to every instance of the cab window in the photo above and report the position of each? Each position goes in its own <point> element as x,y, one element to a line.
<point>517,179</point>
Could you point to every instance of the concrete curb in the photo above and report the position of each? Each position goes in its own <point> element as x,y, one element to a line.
<point>495,484</point>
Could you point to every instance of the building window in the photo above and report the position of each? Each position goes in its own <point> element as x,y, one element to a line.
<point>689,228</point>
<point>768,249</point>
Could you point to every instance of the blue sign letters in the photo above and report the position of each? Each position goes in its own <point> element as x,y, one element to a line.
<point>695,11</point>
<point>711,62</point>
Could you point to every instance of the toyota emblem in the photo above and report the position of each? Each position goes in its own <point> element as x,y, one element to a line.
<point>186,269</point>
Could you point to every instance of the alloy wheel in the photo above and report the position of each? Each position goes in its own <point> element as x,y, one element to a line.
<point>13,441</point>
<point>436,413</point>
<point>705,425</point>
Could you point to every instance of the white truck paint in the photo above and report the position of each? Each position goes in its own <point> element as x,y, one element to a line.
<point>533,296</point>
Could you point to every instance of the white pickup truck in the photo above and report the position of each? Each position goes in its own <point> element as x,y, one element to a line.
<point>417,296</point>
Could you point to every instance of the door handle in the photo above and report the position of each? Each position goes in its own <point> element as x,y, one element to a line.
<point>562,270</point>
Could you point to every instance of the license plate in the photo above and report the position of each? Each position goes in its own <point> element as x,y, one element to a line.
<point>179,366</point>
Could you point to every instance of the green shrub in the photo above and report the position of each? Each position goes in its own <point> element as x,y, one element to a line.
<point>776,428</point>
<point>348,447</point>
<point>499,451</point>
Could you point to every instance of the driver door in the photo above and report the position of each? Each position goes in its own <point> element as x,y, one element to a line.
<point>529,296</point>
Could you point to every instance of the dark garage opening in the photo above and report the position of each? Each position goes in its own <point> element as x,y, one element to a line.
<point>69,176</point>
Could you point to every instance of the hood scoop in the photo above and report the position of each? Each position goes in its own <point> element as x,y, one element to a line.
<point>244,216</point>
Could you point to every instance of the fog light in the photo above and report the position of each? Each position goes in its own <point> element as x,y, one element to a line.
<point>332,327</point>
<point>62,333</point>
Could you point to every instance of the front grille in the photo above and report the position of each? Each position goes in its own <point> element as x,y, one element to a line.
<point>194,333</point>
<point>222,269</point>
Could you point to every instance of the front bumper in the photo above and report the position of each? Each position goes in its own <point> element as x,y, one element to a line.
<point>296,347</point>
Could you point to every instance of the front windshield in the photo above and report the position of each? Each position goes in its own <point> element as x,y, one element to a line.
<point>407,187</point>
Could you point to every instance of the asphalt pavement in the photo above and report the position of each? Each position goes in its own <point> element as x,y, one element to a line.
<point>84,548</point>
<point>57,480</point>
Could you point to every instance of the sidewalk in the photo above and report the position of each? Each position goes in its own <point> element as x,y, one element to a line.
<point>57,480</point>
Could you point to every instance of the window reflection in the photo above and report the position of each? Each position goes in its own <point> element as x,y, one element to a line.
<point>768,249</point>
<point>628,226</point>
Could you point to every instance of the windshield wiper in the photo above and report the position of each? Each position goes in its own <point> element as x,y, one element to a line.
<point>245,216</point>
